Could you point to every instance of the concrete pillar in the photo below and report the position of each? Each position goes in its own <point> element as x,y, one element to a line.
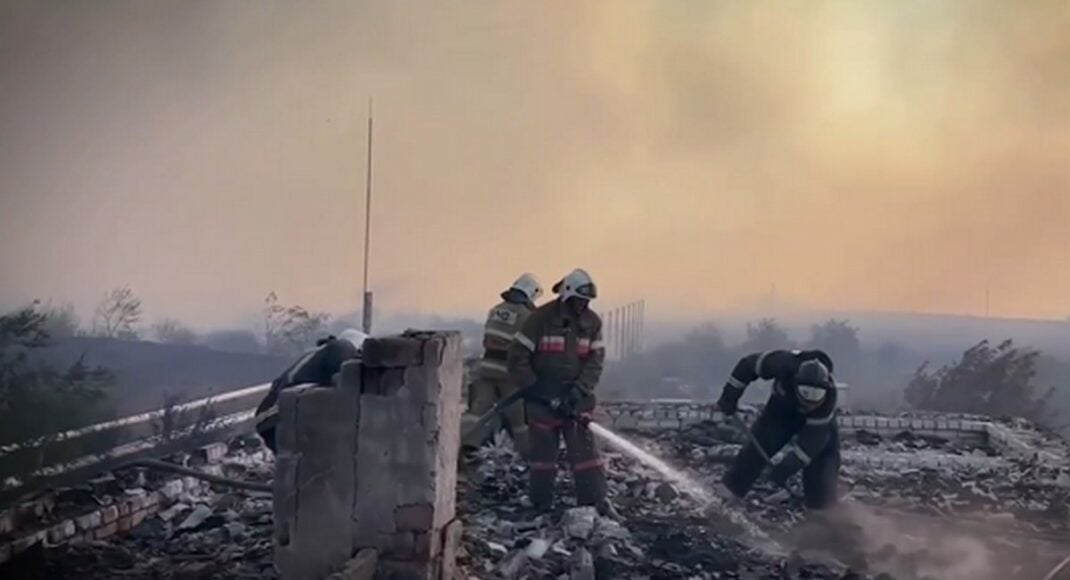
<point>409,437</point>
<point>371,466</point>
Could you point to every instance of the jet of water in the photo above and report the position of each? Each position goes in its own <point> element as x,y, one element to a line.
<point>705,497</point>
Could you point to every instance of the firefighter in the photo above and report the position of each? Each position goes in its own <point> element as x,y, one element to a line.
<point>801,410</point>
<point>557,358</point>
<point>319,366</point>
<point>491,382</point>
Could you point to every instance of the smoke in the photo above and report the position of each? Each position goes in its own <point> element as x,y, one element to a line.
<point>915,546</point>
<point>882,155</point>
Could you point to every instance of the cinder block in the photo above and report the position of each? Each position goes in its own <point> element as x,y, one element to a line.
<point>434,350</point>
<point>59,533</point>
<point>5,553</point>
<point>172,489</point>
<point>137,517</point>
<point>393,352</point>
<point>213,452</point>
<point>131,503</point>
<point>124,523</point>
<point>106,531</point>
<point>88,522</point>
<point>109,514</point>
<point>416,517</point>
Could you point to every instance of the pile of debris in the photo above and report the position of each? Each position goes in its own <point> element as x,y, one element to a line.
<point>200,533</point>
<point>661,534</point>
<point>983,517</point>
<point>994,522</point>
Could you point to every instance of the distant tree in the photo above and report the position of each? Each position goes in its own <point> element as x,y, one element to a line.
<point>291,329</point>
<point>987,380</point>
<point>171,331</point>
<point>232,341</point>
<point>118,315</point>
<point>767,334</point>
<point>840,340</point>
<point>36,399</point>
<point>61,321</point>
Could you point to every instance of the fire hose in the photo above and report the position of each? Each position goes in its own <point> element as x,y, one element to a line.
<point>556,405</point>
<point>1058,568</point>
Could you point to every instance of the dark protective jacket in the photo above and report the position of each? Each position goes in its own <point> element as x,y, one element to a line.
<point>556,348</point>
<point>317,366</point>
<point>503,322</point>
<point>813,426</point>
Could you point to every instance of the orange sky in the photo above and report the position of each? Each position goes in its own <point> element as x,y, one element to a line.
<point>893,156</point>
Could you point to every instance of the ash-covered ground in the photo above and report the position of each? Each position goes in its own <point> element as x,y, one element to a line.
<point>973,519</point>
<point>980,517</point>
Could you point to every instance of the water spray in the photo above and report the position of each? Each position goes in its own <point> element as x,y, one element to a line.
<point>705,497</point>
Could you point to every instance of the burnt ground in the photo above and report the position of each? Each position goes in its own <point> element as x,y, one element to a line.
<point>1004,521</point>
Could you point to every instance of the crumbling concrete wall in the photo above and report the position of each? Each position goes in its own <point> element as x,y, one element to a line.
<point>315,483</point>
<point>409,438</point>
<point>372,464</point>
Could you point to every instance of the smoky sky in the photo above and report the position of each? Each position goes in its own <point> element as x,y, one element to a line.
<point>857,155</point>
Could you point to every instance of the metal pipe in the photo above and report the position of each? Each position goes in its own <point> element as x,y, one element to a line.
<point>217,479</point>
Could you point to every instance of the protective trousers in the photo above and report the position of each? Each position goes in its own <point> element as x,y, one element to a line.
<point>486,392</point>
<point>546,429</point>
<point>773,429</point>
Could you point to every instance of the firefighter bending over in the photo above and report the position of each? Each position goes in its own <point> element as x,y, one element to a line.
<point>319,366</point>
<point>492,382</point>
<point>802,407</point>
<point>557,358</point>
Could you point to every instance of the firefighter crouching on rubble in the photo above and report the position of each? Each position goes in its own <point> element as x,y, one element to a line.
<point>319,366</point>
<point>802,406</point>
<point>492,382</point>
<point>557,358</point>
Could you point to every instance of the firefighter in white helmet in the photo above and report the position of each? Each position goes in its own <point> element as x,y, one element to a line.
<point>557,357</point>
<point>492,382</point>
<point>320,366</point>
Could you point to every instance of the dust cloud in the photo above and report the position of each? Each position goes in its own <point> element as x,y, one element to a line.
<point>912,545</point>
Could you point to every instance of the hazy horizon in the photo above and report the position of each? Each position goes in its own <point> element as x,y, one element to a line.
<point>903,156</point>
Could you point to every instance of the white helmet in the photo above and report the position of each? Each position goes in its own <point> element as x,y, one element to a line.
<point>354,336</point>
<point>529,285</point>
<point>578,283</point>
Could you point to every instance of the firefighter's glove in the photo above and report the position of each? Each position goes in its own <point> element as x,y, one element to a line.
<point>576,394</point>
<point>728,403</point>
<point>782,472</point>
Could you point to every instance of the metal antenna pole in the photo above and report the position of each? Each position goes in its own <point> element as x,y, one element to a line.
<point>366,310</point>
